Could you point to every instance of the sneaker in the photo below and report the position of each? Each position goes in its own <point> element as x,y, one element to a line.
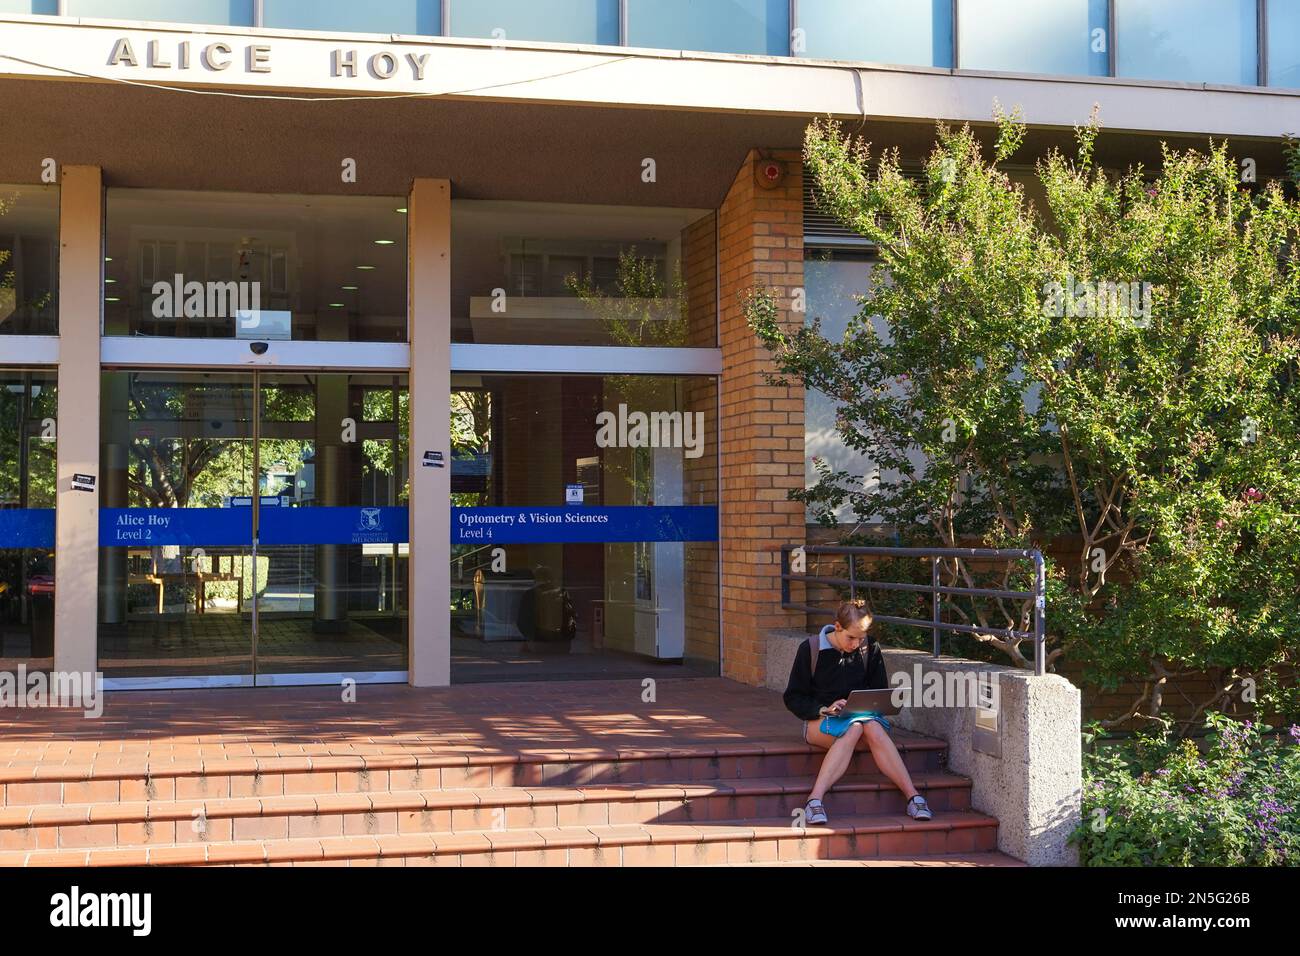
<point>814,815</point>
<point>918,809</point>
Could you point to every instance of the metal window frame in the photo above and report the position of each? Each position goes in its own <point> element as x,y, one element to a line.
<point>130,351</point>
<point>586,359</point>
<point>1261,42</point>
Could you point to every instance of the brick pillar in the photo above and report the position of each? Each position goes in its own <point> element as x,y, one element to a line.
<point>760,239</point>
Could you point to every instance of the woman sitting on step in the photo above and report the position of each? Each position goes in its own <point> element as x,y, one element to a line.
<point>817,693</point>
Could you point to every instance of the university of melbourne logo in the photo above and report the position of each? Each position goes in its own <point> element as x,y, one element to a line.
<point>370,527</point>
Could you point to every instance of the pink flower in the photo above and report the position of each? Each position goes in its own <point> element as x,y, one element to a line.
<point>1151,192</point>
<point>1220,524</point>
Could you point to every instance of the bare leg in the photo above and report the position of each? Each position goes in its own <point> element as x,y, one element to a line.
<point>838,757</point>
<point>887,758</point>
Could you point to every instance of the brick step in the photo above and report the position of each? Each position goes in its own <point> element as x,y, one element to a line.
<point>141,823</point>
<point>53,783</point>
<point>770,840</point>
<point>987,858</point>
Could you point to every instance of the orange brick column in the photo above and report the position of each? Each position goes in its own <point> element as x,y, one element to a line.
<point>760,243</point>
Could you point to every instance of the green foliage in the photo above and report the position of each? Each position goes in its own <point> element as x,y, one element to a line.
<point>1158,801</point>
<point>1114,367</point>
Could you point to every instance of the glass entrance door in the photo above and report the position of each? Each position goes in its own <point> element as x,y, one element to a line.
<point>253,528</point>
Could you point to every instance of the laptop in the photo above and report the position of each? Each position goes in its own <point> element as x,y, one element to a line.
<point>877,701</point>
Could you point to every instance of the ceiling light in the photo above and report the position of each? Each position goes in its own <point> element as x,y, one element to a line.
<point>384,242</point>
<point>349,288</point>
<point>402,209</point>
<point>365,268</point>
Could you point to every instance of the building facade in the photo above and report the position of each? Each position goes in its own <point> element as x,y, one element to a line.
<point>405,341</point>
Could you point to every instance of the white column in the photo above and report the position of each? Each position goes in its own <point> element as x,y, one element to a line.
<point>76,546</point>
<point>429,268</point>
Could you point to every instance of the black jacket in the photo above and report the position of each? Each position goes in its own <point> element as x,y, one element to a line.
<point>836,676</point>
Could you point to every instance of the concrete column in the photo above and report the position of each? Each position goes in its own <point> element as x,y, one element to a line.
<point>76,546</point>
<point>429,269</point>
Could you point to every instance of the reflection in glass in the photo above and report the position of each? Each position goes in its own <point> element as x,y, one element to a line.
<point>28,409</point>
<point>1065,37</point>
<point>233,12</point>
<point>29,260</point>
<point>832,281</point>
<point>333,477</point>
<point>418,17</point>
<point>720,26</point>
<point>1202,41</point>
<point>1284,43</point>
<point>190,264</point>
<point>544,273</point>
<point>908,32</point>
<point>571,21</point>
<point>553,606</point>
<point>176,576</point>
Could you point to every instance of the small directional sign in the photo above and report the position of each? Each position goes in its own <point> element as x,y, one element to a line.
<point>83,482</point>
<point>433,459</point>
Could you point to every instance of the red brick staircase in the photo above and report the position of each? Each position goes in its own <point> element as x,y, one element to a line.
<point>696,804</point>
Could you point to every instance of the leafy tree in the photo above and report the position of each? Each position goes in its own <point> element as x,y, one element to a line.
<point>1115,367</point>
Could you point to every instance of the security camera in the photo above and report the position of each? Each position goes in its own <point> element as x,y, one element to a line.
<point>259,348</point>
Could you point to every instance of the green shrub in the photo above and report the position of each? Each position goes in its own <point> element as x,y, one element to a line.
<point>1160,801</point>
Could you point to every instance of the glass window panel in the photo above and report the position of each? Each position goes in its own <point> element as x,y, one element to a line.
<point>547,273</point>
<point>419,17</point>
<point>620,563</point>
<point>574,21</point>
<point>28,408</point>
<point>48,8</point>
<point>231,12</point>
<point>1202,41</point>
<point>910,32</point>
<point>720,26</point>
<point>195,265</point>
<point>1284,43</point>
<point>29,260</point>
<point>1064,37</point>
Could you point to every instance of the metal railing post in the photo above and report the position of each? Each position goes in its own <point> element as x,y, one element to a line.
<point>934,593</point>
<point>1040,615</point>
<point>785,575</point>
<point>853,578</point>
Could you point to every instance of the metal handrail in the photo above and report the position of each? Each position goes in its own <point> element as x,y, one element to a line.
<point>936,623</point>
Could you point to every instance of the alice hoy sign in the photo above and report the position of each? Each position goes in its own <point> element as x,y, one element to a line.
<point>222,55</point>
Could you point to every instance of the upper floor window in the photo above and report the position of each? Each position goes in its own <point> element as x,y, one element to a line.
<point>418,17</point>
<point>719,26</point>
<point>257,267</point>
<point>1070,37</point>
<point>1199,41</point>
<point>569,21</point>
<point>237,13</point>
<point>908,32</point>
<point>1284,43</point>
<point>29,260</point>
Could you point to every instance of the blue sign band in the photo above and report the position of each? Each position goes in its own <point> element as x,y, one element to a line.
<point>192,527</point>
<point>334,526</point>
<point>27,528</point>
<point>578,525</point>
